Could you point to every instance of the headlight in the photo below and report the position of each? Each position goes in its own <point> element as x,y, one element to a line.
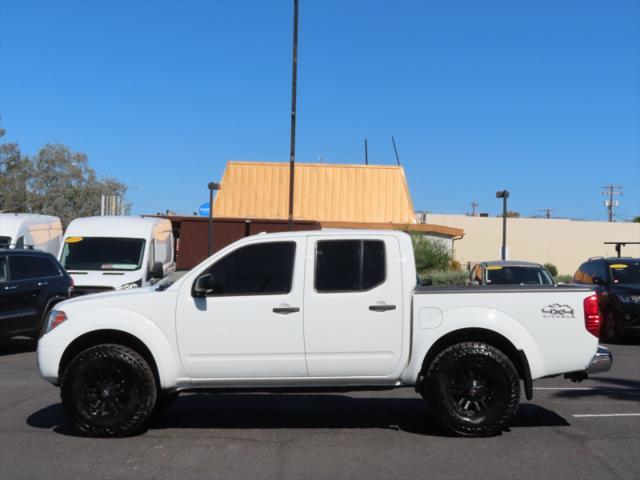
<point>56,317</point>
<point>629,298</point>
<point>128,286</point>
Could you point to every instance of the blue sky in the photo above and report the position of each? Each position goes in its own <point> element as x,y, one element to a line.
<point>538,97</point>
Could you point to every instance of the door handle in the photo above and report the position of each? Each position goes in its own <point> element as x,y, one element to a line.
<point>43,284</point>
<point>381,308</point>
<point>10,287</point>
<point>285,310</point>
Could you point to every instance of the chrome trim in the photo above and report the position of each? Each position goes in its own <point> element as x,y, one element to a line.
<point>601,361</point>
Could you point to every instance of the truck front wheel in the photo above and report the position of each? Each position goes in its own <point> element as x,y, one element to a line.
<point>472,389</point>
<point>108,391</point>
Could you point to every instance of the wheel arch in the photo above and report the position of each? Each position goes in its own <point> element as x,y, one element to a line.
<point>98,337</point>
<point>490,337</point>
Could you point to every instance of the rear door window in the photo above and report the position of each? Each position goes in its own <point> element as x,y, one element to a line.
<point>26,267</point>
<point>349,265</point>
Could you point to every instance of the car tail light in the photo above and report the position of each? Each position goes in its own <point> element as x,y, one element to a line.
<point>592,319</point>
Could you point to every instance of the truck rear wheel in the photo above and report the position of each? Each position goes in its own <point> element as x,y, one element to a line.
<point>108,391</point>
<point>472,389</point>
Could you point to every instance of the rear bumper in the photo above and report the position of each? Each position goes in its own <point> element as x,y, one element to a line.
<point>601,361</point>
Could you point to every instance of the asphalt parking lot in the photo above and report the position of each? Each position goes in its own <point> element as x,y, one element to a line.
<point>586,430</point>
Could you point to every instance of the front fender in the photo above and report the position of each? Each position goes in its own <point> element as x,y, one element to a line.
<point>52,345</point>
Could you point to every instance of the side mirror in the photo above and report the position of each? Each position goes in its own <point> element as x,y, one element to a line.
<point>426,282</point>
<point>598,280</point>
<point>157,271</point>
<point>203,286</point>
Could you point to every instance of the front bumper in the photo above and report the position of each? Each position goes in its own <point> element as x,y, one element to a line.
<point>601,361</point>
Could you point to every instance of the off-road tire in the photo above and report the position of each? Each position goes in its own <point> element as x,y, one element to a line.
<point>108,390</point>
<point>472,389</point>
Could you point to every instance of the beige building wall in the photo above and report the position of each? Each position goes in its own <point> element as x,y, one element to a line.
<point>565,243</point>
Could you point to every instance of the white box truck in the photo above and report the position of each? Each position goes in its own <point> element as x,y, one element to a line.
<point>116,252</point>
<point>27,230</point>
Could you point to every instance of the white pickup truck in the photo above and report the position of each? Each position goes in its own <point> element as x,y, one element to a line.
<point>331,309</point>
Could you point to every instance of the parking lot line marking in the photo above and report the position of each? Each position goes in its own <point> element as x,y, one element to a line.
<point>606,415</point>
<point>615,389</point>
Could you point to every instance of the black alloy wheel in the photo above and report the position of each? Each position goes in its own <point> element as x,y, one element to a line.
<point>472,389</point>
<point>109,391</point>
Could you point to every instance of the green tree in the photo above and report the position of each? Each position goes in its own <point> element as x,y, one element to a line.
<point>56,181</point>
<point>636,219</point>
<point>430,254</point>
<point>15,171</point>
<point>553,270</point>
<point>64,184</point>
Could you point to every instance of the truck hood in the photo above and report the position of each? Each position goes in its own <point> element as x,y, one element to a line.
<point>114,279</point>
<point>115,299</point>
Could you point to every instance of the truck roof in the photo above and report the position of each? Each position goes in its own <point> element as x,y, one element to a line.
<point>114,226</point>
<point>332,232</point>
<point>12,221</point>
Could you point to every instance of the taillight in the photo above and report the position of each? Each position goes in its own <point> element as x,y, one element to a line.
<point>592,319</point>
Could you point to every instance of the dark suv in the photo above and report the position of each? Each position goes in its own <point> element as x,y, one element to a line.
<point>31,282</point>
<point>617,283</point>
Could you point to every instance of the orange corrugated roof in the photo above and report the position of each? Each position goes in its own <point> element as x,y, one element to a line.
<point>322,192</point>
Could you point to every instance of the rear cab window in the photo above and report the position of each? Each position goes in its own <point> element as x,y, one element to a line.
<point>349,265</point>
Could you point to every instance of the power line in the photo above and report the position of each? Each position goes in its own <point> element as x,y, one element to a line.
<point>611,191</point>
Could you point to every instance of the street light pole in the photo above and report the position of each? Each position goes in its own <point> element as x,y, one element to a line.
<point>212,186</point>
<point>504,194</point>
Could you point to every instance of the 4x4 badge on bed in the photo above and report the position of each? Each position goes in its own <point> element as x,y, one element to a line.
<point>557,311</point>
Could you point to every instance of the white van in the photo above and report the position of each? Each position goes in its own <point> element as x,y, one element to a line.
<point>27,230</point>
<point>115,253</point>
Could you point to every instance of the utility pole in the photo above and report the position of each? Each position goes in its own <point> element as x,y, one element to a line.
<point>547,212</point>
<point>366,152</point>
<point>294,82</point>
<point>611,191</point>
<point>474,205</point>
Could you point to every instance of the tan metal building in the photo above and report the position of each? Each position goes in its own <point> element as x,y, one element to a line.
<point>336,195</point>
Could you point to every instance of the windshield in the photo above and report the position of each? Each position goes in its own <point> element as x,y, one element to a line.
<point>5,242</point>
<point>102,253</point>
<point>498,275</point>
<point>625,272</point>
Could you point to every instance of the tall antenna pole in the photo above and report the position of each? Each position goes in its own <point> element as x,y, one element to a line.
<point>474,205</point>
<point>547,212</point>
<point>393,140</point>
<point>366,153</point>
<point>294,81</point>
<point>611,191</point>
